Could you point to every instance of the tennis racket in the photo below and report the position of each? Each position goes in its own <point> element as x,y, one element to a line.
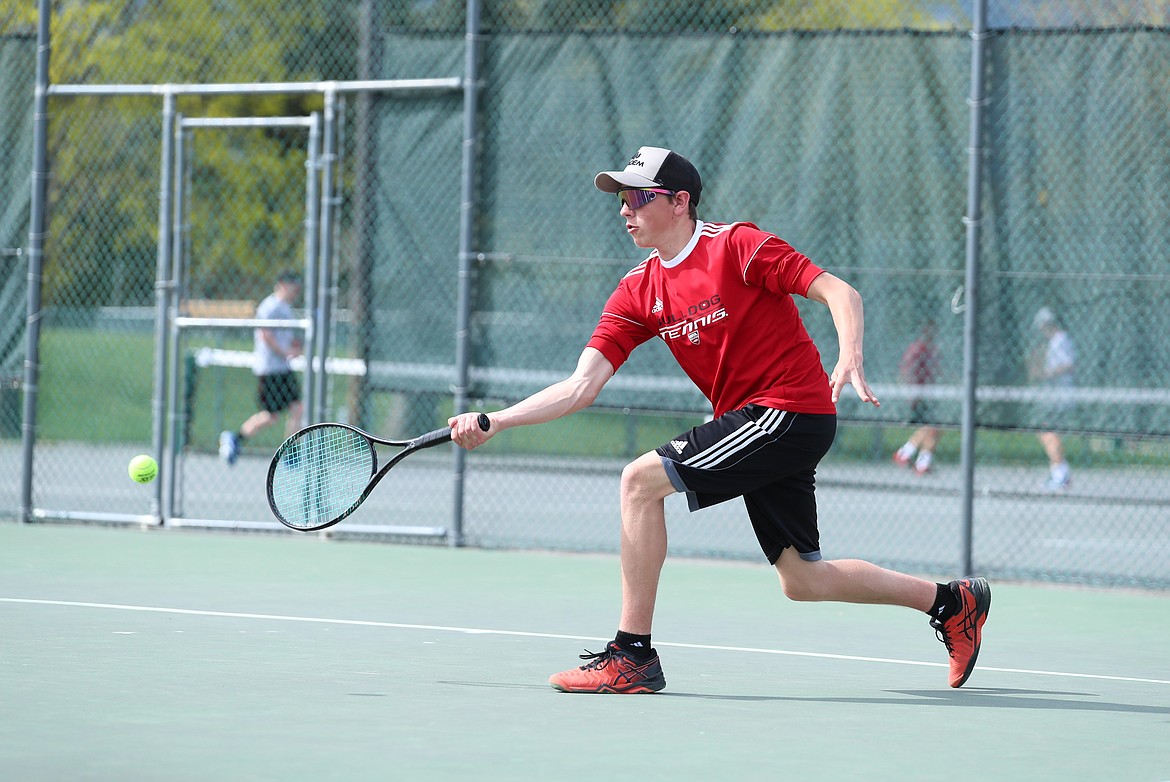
<point>324,472</point>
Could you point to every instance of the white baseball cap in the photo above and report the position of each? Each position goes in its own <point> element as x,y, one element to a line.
<point>1044,317</point>
<point>654,167</point>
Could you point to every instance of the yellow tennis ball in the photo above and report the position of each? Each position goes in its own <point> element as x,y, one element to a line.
<point>143,468</point>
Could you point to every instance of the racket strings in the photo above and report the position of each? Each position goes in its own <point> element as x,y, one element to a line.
<point>320,474</point>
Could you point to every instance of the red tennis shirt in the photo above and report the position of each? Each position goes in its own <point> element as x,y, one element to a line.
<point>724,308</point>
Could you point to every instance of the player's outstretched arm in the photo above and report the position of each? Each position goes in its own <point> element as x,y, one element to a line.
<point>574,393</point>
<point>844,303</point>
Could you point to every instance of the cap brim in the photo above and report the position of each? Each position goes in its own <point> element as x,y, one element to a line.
<point>613,181</point>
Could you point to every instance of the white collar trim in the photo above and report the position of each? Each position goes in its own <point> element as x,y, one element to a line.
<point>686,251</point>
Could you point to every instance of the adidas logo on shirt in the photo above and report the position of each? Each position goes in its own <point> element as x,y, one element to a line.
<point>679,445</point>
<point>657,305</point>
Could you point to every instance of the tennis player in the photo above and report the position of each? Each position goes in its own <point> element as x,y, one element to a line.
<point>720,297</point>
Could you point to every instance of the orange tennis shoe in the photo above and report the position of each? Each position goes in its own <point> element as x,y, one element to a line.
<point>963,632</point>
<point>613,670</point>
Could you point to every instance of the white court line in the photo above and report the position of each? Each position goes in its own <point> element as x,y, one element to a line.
<point>525,634</point>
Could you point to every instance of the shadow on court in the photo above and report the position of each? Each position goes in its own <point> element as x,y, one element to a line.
<point>965,698</point>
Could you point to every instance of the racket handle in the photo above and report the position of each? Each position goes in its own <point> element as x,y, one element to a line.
<point>444,435</point>
<point>431,438</point>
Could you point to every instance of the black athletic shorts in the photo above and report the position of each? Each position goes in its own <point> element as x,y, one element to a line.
<point>768,457</point>
<point>277,391</point>
<point>919,412</point>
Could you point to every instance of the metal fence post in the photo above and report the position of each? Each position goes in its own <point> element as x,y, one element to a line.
<point>466,240</point>
<point>36,244</point>
<point>169,460</point>
<point>321,320</point>
<point>312,238</point>
<point>971,314</point>
<point>162,287</point>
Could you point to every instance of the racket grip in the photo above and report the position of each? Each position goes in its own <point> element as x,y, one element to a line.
<point>444,435</point>
<point>431,438</point>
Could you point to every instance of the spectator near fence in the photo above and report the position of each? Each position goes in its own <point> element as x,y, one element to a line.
<point>277,389</point>
<point>919,367</point>
<point>1051,365</point>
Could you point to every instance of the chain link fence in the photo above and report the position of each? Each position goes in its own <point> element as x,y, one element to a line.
<point>842,127</point>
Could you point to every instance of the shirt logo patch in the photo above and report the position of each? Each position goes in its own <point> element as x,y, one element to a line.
<point>657,305</point>
<point>677,329</point>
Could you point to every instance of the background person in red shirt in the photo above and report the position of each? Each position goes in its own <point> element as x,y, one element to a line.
<point>919,367</point>
<point>720,297</point>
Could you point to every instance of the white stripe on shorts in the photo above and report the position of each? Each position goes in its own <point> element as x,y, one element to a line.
<point>736,442</point>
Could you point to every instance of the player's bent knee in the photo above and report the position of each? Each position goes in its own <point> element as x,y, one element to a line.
<point>645,477</point>
<point>800,582</point>
<point>799,591</point>
<point>634,478</point>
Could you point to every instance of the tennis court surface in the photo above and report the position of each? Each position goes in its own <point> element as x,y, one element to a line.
<point>176,655</point>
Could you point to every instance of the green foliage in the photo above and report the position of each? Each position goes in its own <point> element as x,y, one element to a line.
<point>18,18</point>
<point>105,152</point>
<point>107,42</point>
<point>704,15</point>
<point>875,14</point>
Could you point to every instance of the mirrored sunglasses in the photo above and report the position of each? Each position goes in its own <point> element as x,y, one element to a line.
<point>637,197</point>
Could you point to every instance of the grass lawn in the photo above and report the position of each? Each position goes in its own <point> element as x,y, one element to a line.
<point>96,386</point>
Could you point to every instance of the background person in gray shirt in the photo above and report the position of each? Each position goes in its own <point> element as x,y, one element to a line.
<point>277,388</point>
